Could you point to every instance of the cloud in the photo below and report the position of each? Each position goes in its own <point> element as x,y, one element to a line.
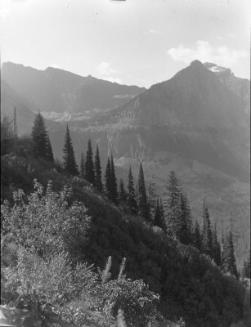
<point>105,71</point>
<point>4,13</point>
<point>154,31</point>
<point>204,51</point>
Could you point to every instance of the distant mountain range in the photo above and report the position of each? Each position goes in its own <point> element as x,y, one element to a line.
<point>63,95</point>
<point>196,123</point>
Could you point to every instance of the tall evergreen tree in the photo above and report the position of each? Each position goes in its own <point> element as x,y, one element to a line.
<point>131,197</point>
<point>108,178</point>
<point>159,218</point>
<point>122,191</point>
<point>89,165</point>
<point>69,162</point>
<point>228,256</point>
<point>41,142</point>
<point>114,188</point>
<point>174,213</point>
<point>82,165</point>
<point>197,237</point>
<point>98,172</point>
<point>216,247</point>
<point>152,198</point>
<point>184,221</point>
<point>49,154</point>
<point>206,232</point>
<point>143,206</point>
<point>111,181</point>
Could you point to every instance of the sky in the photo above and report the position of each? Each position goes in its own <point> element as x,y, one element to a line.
<point>138,42</point>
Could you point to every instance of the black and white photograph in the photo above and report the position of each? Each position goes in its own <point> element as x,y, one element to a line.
<point>125,163</point>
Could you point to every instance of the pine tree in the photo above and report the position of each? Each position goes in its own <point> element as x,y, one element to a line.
<point>114,189</point>
<point>197,238</point>
<point>41,142</point>
<point>184,225</point>
<point>159,219</point>
<point>143,206</point>
<point>206,232</point>
<point>173,206</point>
<point>69,162</point>
<point>89,166</point>
<point>82,166</point>
<point>152,198</point>
<point>131,197</point>
<point>108,179</point>
<point>173,190</point>
<point>98,172</point>
<point>49,155</point>
<point>216,247</point>
<point>122,191</point>
<point>228,256</point>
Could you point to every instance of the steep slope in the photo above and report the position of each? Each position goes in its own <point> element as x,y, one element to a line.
<point>193,124</point>
<point>189,284</point>
<point>193,113</point>
<point>55,91</point>
<point>240,86</point>
<point>194,98</point>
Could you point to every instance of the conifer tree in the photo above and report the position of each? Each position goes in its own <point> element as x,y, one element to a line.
<point>228,256</point>
<point>159,219</point>
<point>89,166</point>
<point>173,206</point>
<point>108,178</point>
<point>131,197</point>
<point>216,247</point>
<point>41,142</point>
<point>151,198</point>
<point>143,206</point>
<point>98,172</point>
<point>49,154</point>
<point>184,221</point>
<point>69,162</point>
<point>114,188</point>
<point>122,191</point>
<point>197,238</point>
<point>82,165</point>
<point>206,232</point>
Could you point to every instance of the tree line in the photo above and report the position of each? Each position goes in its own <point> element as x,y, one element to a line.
<point>174,217</point>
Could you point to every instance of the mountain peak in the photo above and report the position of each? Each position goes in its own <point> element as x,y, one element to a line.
<point>196,63</point>
<point>217,69</point>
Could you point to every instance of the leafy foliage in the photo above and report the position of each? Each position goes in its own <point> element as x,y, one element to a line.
<point>189,283</point>
<point>46,277</point>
